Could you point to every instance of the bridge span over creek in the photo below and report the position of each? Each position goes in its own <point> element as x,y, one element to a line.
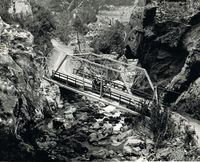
<point>106,80</point>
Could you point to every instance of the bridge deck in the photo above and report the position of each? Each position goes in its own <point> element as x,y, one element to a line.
<point>85,85</point>
<point>90,95</point>
<point>115,86</point>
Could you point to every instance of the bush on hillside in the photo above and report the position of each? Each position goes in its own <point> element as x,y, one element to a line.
<point>63,30</point>
<point>111,40</point>
<point>41,25</point>
<point>190,106</point>
<point>82,19</point>
<point>161,124</point>
<point>66,22</point>
<point>78,25</point>
<point>4,6</point>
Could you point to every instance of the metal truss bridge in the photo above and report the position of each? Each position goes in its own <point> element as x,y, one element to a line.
<point>106,80</point>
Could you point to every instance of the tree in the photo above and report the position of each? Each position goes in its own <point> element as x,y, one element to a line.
<point>110,40</point>
<point>63,29</point>
<point>4,6</point>
<point>161,124</point>
<point>41,25</point>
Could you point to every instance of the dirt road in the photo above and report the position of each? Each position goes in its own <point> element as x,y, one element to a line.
<point>59,52</point>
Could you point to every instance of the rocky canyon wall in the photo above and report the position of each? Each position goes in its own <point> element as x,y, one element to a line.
<point>24,93</point>
<point>164,36</point>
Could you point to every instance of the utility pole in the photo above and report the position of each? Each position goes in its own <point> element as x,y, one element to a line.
<point>101,83</point>
<point>156,95</point>
<point>76,24</point>
<point>78,41</point>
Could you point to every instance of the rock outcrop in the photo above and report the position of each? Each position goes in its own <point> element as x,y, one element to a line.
<point>25,98</point>
<point>164,36</point>
<point>190,74</point>
<point>21,75</point>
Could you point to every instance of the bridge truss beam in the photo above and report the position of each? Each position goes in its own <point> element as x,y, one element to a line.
<point>105,65</point>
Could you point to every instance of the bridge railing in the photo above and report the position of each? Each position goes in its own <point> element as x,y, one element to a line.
<point>78,82</point>
<point>66,77</point>
<point>90,76</point>
<point>112,84</point>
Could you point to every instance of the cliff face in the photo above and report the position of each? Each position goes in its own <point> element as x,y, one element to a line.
<point>21,76</point>
<point>17,68</point>
<point>187,80</point>
<point>166,41</point>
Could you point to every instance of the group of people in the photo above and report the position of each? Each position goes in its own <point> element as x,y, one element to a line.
<point>96,86</point>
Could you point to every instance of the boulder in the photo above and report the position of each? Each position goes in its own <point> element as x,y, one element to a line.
<point>3,25</point>
<point>124,135</point>
<point>96,126</point>
<point>101,104</point>
<point>117,128</point>
<point>142,159</point>
<point>111,153</point>
<point>133,142</point>
<point>104,143</point>
<point>107,129</point>
<point>83,117</point>
<point>163,153</point>
<point>58,122</point>
<point>132,146</point>
<point>101,154</point>
<point>128,151</point>
<point>93,137</point>
<point>110,109</point>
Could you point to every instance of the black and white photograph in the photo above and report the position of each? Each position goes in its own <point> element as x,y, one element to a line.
<point>99,80</point>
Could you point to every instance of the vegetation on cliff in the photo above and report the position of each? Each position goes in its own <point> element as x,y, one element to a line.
<point>111,40</point>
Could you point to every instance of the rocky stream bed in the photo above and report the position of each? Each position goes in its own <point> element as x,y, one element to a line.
<point>85,130</point>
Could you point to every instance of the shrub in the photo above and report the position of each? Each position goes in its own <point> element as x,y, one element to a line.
<point>110,40</point>
<point>62,28</point>
<point>4,6</point>
<point>41,25</point>
<point>190,106</point>
<point>80,22</point>
<point>161,124</point>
